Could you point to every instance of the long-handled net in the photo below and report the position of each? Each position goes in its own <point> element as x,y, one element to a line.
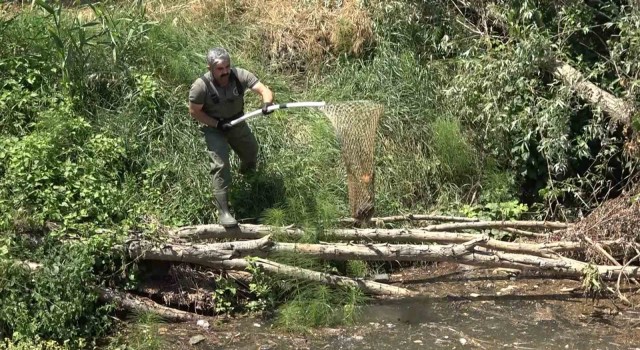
<point>356,125</point>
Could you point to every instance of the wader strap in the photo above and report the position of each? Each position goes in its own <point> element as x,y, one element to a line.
<point>213,93</point>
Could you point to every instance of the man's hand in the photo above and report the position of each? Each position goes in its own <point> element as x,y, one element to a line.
<point>265,105</point>
<point>223,126</point>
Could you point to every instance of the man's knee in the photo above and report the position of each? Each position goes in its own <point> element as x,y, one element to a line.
<point>248,166</point>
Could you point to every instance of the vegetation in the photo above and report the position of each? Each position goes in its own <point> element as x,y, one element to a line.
<point>96,143</point>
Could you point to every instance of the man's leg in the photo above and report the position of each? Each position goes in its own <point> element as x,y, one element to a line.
<point>218,151</point>
<point>244,143</point>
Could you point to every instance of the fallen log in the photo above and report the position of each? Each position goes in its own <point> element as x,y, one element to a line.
<point>412,217</point>
<point>382,252</point>
<point>248,231</point>
<point>140,249</point>
<point>382,235</point>
<point>213,231</point>
<point>524,233</point>
<point>201,253</point>
<point>457,219</point>
<point>497,224</point>
<point>131,303</point>
<point>251,231</point>
<point>463,253</point>
<point>310,275</point>
<point>616,108</point>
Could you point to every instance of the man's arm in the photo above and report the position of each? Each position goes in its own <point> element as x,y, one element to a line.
<point>264,91</point>
<point>198,114</point>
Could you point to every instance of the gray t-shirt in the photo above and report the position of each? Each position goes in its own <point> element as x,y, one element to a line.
<point>230,103</point>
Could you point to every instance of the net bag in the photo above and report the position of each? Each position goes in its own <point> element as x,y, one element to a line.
<point>356,125</point>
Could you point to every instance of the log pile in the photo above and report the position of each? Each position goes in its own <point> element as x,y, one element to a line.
<point>545,247</point>
<point>535,246</point>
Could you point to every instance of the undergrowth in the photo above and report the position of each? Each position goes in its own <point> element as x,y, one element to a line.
<point>96,142</point>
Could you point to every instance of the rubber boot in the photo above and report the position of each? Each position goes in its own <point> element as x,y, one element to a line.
<point>224,215</point>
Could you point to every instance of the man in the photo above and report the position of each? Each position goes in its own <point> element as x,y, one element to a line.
<point>215,99</point>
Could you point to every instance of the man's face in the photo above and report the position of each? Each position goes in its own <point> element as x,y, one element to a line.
<point>220,72</point>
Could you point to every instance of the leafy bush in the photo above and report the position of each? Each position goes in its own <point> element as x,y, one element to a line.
<point>56,301</point>
<point>95,139</point>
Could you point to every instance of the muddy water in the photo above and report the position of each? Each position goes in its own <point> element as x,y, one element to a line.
<point>446,324</point>
<point>486,312</point>
<point>429,324</point>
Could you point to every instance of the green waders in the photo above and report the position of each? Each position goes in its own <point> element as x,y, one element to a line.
<point>244,143</point>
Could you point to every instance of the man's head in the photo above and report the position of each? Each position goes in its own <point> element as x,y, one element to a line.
<point>219,64</point>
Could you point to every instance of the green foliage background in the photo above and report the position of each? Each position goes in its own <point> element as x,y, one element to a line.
<point>96,142</point>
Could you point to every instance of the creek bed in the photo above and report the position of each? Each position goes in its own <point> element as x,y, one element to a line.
<point>460,308</point>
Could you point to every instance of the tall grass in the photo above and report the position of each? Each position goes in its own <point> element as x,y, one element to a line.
<point>95,136</point>
<point>121,152</point>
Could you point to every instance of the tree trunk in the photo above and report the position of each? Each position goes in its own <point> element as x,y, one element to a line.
<point>618,109</point>
<point>129,302</point>
<point>383,235</point>
<point>196,253</point>
<point>248,231</point>
<point>464,253</point>
<point>497,224</point>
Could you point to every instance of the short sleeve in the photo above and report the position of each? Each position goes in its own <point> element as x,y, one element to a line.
<point>198,92</point>
<point>246,78</point>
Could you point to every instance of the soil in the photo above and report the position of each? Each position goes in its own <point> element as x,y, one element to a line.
<point>460,307</point>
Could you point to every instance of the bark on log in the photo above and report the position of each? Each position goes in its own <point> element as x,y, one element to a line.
<point>297,272</point>
<point>385,235</point>
<point>380,252</point>
<point>618,109</point>
<point>523,233</point>
<point>201,253</point>
<point>129,302</point>
<point>463,253</point>
<point>196,253</point>
<point>412,217</point>
<point>497,224</point>
<point>213,231</point>
<point>417,235</point>
<point>249,231</point>
<point>201,232</point>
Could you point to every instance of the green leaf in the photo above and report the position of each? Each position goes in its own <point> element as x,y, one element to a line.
<point>46,7</point>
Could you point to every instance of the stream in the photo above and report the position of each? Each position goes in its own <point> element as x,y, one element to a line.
<point>486,312</point>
